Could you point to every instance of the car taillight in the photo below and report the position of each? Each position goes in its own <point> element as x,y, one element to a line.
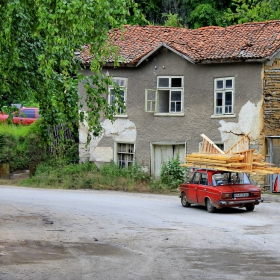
<point>255,194</point>
<point>226,195</point>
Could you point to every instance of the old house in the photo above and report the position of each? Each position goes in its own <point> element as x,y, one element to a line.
<point>178,83</point>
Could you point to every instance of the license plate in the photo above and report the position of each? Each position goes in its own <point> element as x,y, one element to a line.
<point>241,194</point>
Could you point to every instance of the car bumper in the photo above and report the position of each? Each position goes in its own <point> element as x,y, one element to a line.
<point>239,202</point>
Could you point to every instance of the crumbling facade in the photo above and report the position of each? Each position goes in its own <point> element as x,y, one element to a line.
<point>179,83</point>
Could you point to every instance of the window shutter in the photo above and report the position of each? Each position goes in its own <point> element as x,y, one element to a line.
<point>151,100</point>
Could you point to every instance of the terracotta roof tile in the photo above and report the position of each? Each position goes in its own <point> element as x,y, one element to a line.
<point>234,43</point>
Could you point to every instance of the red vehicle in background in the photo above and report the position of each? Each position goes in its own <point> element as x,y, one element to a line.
<point>23,116</point>
<point>218,189</point>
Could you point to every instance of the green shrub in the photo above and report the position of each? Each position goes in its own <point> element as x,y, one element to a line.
<point>20,146</point>
<point>87,176</point>
<point>134,171</point>
<point>172,173</point>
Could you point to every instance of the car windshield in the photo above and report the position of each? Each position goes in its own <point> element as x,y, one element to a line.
<point>225,178</point>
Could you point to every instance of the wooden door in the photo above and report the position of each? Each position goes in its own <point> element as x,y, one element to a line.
<point>163,152</point>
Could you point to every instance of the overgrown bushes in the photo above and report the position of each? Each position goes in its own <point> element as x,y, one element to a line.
<point>87,176</point>
<point>171,176</point>
<point>22,145</point>
<point>110,177</point>
<point>19,146</point>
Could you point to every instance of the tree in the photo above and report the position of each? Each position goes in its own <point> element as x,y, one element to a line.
<point>19,75</point>
<point>192,13</point>
<point>172,20</point>
<point>253,10</point>
<point>38,39</point>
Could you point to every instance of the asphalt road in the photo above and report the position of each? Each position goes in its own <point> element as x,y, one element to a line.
<point>67,234</point>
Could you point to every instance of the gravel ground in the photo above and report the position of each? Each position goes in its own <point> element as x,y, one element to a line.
<point>60,234</point>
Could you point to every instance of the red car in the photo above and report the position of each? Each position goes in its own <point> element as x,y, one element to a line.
<point>218,189</point>
<point>25,116</point>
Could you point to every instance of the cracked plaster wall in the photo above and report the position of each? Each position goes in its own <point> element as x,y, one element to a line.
<point>122,130</point>
<point>198,106</point>
<point>249,120</point>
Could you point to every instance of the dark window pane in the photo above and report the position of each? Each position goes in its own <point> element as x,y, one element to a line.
<point>178,107</point>
<point>220,145</point>
<point>176,82</point>
<point>228,83</point>
<point>163,82</point>
<point>27,113</point>
<point>228,98</point>
<point>219,99</point>
<point>176,96</point>
<point>219,84</point>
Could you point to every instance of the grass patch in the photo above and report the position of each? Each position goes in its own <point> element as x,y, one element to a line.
<point>16,130</point>
<point>88,176</point>
<point>20,145</point>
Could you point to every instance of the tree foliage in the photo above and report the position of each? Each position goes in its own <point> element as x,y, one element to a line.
<point>38,39</point>
<point>195,14</point>
<point>254,10</point>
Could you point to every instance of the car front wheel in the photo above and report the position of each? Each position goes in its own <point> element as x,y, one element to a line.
<point>184,201</point>
<point>250,207</point>
<point>209,206</point>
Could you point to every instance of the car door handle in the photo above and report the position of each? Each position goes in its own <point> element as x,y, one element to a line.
<point>205,189</point>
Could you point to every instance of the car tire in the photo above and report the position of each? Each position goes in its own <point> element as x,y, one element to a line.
<point>250,207</point>
<point>209,206</point>
<point>184,201</point>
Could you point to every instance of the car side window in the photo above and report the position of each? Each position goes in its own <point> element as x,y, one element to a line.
<point>27,114</point>
<point>204,179</point>
<point>196,178</point>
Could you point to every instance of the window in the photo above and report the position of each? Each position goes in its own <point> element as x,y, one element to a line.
<point>122,83</point>
<point>204,179</point>
<point>220,145</point>
<point>225,178</point>
<point>125,154</point>
<point>200,178</point>
<point>167,98</point>
<point>25,113</point>
<point>223,96</point>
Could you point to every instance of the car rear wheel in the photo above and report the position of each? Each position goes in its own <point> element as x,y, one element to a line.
<point>250,207</point>
<point>209,206</point>
<point>184,201</point>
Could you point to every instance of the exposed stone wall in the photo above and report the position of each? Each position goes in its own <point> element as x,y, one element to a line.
<point>271,91</point>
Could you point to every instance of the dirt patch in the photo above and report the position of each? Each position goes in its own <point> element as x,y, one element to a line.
<point>31,251</point>
<point>15,177</point>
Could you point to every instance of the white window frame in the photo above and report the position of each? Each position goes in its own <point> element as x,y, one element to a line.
<point>224,109</point>
<point>152,97</point>
<point>126,153</point>
<point>122,83</point>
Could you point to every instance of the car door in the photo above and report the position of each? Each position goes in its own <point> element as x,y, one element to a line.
<point>192,188</point>
<point>202,187</point>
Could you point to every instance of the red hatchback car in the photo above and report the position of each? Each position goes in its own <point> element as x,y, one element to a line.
<point>218,189</point>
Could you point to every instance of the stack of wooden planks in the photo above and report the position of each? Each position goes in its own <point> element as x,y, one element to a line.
<point>237,159</point>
